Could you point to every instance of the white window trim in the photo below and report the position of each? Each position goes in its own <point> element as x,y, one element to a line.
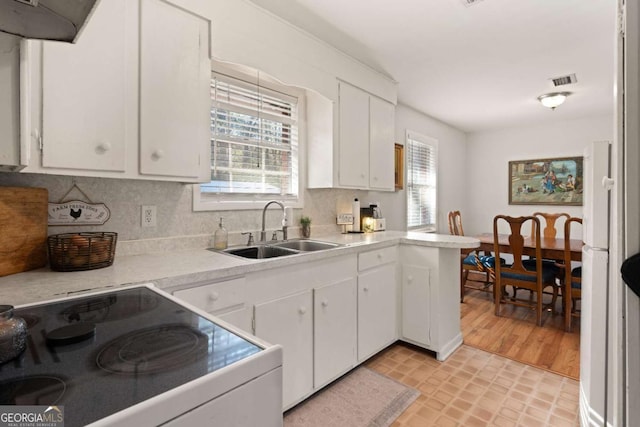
<point>225,202</point>
<point>434,143</point>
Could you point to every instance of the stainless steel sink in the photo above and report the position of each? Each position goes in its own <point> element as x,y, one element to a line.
<point>306,245</point>
<point>278,249</point>
<point>260,251</point>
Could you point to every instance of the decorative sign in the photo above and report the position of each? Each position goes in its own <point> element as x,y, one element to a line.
<point>76,212</point>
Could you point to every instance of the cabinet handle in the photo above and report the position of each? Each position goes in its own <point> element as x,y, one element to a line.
<point>103,147</point>
<point>325,303</point>
<point>302,310</point>
<point>213,296</point>
<point>157,154</point>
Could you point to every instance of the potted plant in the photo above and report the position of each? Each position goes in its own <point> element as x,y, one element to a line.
<point>305,223</point>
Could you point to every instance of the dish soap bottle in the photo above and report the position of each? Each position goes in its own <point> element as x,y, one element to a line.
<point>220,237</point>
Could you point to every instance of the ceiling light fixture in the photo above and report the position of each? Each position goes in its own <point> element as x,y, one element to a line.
<point>552,100</point>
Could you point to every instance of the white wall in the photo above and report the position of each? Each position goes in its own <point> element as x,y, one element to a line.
<point>488,155</point>
<point>243,33</point>
<point>452,174</point>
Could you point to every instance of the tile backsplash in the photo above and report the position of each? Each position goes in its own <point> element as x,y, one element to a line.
<point>177,224</point>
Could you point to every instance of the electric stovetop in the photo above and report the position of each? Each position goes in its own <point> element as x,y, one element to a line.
<point>100,354</point>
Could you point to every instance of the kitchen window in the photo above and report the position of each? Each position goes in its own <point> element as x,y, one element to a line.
<point>422,160</point>
<point>254,144</point>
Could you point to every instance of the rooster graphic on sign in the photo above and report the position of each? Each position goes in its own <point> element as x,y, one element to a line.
<point>75,214</point>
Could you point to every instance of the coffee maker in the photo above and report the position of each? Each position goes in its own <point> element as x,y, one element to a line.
<point>371,219</point>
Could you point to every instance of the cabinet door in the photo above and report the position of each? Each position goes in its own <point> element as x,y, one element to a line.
<point>89,92</point>
<point>416,300</point>
<point>377,304</point>
<point>288,321</point>
<point>381,145</point>
<point>335,334</point>
<point>175,104</point>
<point>354,137</point>
<point>10,101</point>
<point>240,318</point>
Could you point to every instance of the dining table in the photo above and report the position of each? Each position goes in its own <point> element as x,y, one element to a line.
<point>551,248</point>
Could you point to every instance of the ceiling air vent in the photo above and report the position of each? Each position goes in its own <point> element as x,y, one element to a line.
<point>469,3</point>
<point>564,80</point>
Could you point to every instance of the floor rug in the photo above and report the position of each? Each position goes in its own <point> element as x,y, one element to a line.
<point>360,398</point>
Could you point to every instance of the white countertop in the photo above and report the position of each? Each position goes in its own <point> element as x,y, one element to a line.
<point>173,269</point>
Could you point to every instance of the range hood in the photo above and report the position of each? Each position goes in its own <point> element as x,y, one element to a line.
<point>59,20</point>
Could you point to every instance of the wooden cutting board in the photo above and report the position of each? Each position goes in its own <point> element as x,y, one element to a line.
<point>23,229</point>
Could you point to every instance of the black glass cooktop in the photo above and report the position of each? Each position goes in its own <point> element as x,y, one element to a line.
<point>100,354</point>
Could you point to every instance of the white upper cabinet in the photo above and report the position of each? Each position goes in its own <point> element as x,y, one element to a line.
<point>10,151</point>
<point>354,137</point>
<point>88,93</point>
<point>381,144</point>
<point>351,147</point>
<point>175,75</point>
<point>129,100</point>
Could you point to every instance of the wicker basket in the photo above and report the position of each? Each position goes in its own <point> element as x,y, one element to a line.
<point>81,251</point>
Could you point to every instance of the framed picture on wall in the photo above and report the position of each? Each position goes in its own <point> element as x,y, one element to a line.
<point>555,181</point>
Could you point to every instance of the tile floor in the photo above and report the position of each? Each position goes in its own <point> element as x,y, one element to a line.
<point>475,388</point>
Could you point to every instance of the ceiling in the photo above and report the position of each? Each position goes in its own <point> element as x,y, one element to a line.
<point>478,67</point>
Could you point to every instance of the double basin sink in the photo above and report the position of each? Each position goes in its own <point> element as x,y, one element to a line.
<point>278,249</point>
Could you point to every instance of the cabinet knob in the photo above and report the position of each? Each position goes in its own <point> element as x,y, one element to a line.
<point>365,288</point>
<point>379,256</point>
<point>410,279</point>
<point>157,154</point>
<point>213,296</point>
<point>302,310</point>
<point>103,147</point>
<point>325,303</point>
<point>362,175</point>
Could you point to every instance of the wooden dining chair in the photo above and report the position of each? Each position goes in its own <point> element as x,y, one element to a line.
<point>534,275</point>
<point>550,227</point>
<point>572,282</point>
<point>470,260</point>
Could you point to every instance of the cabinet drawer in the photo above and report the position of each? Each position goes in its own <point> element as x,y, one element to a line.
<point>216,296</point>
<point>371,259</point>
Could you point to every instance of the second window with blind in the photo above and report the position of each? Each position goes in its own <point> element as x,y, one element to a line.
<point>421,165</point>
<point>254,144</point>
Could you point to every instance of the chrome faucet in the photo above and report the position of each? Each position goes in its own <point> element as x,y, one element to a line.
<point>263,232</point>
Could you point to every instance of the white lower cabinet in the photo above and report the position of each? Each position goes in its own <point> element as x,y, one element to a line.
<point>335,330</point>
<point>416,308</point>
<point>288,321</point>
<point>377,301</point>
<point>431,298</point>
<point>225,299</point>
<point>240,318</point>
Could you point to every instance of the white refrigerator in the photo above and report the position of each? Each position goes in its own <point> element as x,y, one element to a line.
<point>595,273</point>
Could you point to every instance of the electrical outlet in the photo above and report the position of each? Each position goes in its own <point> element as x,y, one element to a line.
<point>148,216</point>
<point>345,218</point>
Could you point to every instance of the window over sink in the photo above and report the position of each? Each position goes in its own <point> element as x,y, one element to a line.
<point>255,148</point>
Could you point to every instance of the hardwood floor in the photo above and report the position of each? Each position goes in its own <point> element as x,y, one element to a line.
<point>515,335</point>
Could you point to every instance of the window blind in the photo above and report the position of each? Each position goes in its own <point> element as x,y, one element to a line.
<point>421,184</point>
<point>254,143</point>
